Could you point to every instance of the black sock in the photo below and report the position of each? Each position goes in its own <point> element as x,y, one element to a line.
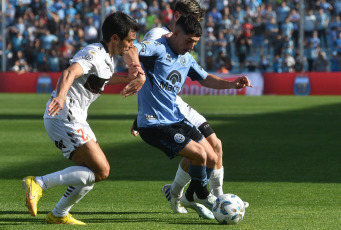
<point>190,192</point>
<point>200,190</point>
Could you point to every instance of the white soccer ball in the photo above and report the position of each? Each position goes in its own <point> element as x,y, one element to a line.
<point>228,209</point>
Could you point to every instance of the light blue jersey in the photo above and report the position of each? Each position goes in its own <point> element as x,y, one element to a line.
<point>166,73</point>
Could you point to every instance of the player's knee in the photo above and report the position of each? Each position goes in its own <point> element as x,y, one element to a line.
<point>102,174</point>
<point>212,160</point>
<point>218,148</point>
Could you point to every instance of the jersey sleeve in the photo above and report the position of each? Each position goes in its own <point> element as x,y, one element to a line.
<point>196,72</point>
<point>155,33</point>
<point>90,59</point>
<point>149,48</point>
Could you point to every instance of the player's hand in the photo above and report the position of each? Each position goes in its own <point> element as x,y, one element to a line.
<point>56,104</point>
<point>167,35</point>
<point>133,70</point>
<point>134,132</point>
<point>242,82</point>
<point>134,86</point>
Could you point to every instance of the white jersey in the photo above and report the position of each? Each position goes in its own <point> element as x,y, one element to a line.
<point>98,67</point>
<point>190,114</point>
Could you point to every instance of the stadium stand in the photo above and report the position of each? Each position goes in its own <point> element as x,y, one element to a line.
<point>240,35</point>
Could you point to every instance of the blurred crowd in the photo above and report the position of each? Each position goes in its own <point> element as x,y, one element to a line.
<point>240,35</point>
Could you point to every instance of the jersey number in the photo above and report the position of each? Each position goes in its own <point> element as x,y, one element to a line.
<point>85,136</point>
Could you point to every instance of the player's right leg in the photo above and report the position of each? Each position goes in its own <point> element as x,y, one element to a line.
<point>198,153</point>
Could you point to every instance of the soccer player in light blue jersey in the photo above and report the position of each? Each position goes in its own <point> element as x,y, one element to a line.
<point>167,63</point>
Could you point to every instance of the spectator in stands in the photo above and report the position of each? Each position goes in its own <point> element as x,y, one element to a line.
<point>322,21</point>
<point>309,24</point>
<point>321,63</point>
<point>216,16</point>
<point>287,28</point>
<point>154,8</point>
<point>53,61</point>
<point>18,68</point>
<point>288,63</point>
<point>48,39</point>
<point>335,62</point>
<point>314,39</point>
<point>258,37</point>
<point>338,43</point>
<point>166,14</point>
<point>271,32</point>
<point>269,14</point>
<point>90,32</point>
<point>242,52</point>
<point>263,64</point>
<point>282,13</point>
<point>220,44</point>
<point>277,64</point>
<point>311,54</point>
<point>239,14</point>
<point>124,7</point>
<point>10,14</point>
<point>295,19</point>
<point>210,40</point>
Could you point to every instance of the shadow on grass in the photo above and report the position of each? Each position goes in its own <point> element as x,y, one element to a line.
<point>106,217</point>
<point>293,146</point>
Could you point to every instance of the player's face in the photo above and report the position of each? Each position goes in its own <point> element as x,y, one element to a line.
<point>125,44</point>
<point>185,43</point>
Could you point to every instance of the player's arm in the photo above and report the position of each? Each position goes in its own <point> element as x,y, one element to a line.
<point>215,82</point>
<point>132,58</point>
<point>64,83</point>
<point>133,71</point>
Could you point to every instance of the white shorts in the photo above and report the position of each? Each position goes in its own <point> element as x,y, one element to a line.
<point>190,114</point>
<point>67,136</point>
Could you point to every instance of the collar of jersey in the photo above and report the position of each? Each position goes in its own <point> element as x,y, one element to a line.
<point>105,46</point>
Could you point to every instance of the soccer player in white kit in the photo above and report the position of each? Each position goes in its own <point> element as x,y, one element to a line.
<point>66,113</point>
<point>174,191</point>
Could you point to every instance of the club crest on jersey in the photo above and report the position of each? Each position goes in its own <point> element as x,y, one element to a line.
<point>183,61</point>
<point>179,138</point>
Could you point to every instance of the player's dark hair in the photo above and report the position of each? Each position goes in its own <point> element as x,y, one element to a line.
<point>190,7</point>
<point>189,25</point>
<point>118,23</point>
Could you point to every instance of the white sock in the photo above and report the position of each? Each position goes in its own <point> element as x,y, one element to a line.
<point>75,175</point>
<point>216,182</point>
<point>71,197</point>
<point>181,179</point>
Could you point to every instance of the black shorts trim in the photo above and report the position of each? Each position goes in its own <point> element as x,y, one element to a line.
<point>206,129</point>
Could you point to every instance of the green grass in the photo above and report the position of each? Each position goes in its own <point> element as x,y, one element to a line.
<point>281,154</point>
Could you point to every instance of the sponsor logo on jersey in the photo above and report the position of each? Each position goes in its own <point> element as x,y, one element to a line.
<point>150,117</point>
<point>169,58</point>
<point>173,77</point>
<point>146,42</point>
<point>183,61</point>
<point>179,138</point>
<point>88,57</point>
<point>92,52</point>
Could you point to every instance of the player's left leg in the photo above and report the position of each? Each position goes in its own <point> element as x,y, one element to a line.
<point>90,155</point>
<point>217,176</point>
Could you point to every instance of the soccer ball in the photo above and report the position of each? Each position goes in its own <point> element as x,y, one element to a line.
<point>228,209</point>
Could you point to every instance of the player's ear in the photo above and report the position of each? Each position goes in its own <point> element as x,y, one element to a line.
<point>176,16</point>
<point>115,38</point>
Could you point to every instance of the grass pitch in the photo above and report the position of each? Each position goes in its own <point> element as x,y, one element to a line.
<point>281,154</point>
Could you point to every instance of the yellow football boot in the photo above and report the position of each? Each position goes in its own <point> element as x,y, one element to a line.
<point>68,219</point>
<point>33,193</point>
